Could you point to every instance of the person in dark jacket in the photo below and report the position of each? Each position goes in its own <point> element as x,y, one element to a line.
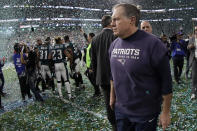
<point>101,65</point>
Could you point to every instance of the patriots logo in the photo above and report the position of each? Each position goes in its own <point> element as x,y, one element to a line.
<point>122,61</point>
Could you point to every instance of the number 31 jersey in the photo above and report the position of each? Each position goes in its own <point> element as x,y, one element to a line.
<point>44,53</point>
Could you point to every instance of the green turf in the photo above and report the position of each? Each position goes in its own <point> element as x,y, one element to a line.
<point>54,114</point>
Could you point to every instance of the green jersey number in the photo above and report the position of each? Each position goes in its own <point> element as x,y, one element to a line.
<point>43,54</point>
<point>57,54</point>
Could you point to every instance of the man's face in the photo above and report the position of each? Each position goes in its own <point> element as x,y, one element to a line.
<point>89,39</point>
<point>61,41</point>
<point>146,27</point>
<point>39,42</point>
<point>179,36</point>
<point>164,38</point>
<point>121,24</point>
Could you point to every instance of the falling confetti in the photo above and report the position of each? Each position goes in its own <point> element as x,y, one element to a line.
<point>24,21</point>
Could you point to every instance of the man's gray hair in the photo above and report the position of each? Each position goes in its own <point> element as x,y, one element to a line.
<point>130,10</point>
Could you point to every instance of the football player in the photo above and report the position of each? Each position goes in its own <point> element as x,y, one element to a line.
<point>39,77</point>
<point>58,54</point>
<point>45,62</point>
<point>75,62</point>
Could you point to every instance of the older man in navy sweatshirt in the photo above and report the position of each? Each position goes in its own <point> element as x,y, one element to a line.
<point>141,80</point>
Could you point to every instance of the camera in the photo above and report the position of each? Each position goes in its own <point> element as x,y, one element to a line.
<point>20,47</point>
<point>173,38</point>
<point>17,48</point>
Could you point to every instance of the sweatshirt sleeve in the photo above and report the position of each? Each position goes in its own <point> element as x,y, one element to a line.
<point>160,62</point>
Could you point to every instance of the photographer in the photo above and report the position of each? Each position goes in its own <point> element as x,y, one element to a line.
<point>20,70</point>
<point>31,66</point>
<point>178,48</point>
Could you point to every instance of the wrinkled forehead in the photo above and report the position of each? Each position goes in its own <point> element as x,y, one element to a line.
<point>118,11</point>
<point>179,35</point>
<point>145,24</point>
<point>164,37</point>
<point>39,40</point>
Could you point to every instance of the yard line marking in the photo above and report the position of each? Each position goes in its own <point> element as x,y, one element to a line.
<point>21,104</point>
<point>83,109</point>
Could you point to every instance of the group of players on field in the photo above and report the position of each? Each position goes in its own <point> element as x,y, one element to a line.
<point>43,62</point>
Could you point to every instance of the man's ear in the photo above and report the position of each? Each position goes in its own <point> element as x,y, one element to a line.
<point>132,20</point>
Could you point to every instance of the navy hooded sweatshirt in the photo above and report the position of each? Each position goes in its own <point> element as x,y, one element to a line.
<point>141,74</point>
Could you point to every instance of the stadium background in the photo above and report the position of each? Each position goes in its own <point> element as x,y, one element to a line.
<point>25,20</point>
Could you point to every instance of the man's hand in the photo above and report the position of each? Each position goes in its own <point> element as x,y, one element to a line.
<point>4,59</point>
<point>164,120</point>
<point>112,102</point>
<point>112,95</point>
<point>91,71</point>
<point>21,53</point>
<point>81,30</point>
<point>190,46</point>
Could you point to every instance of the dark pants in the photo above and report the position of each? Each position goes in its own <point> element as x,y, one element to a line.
<point>178,67</point>
<point>67,76</point>
<point>39,79</point>
<point>52,69</point>
<point>194,77</point>
<point>25,90</point>
<point>49,82</point>
<point>62,80</point>
<point>52,84</point>
<point>92,79</point>
<point>2,81</point>
<point>32,84</point>
<point>110,113</point>
<point>124,124</point>
<point>2,85</point>
<point>78,79</point>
